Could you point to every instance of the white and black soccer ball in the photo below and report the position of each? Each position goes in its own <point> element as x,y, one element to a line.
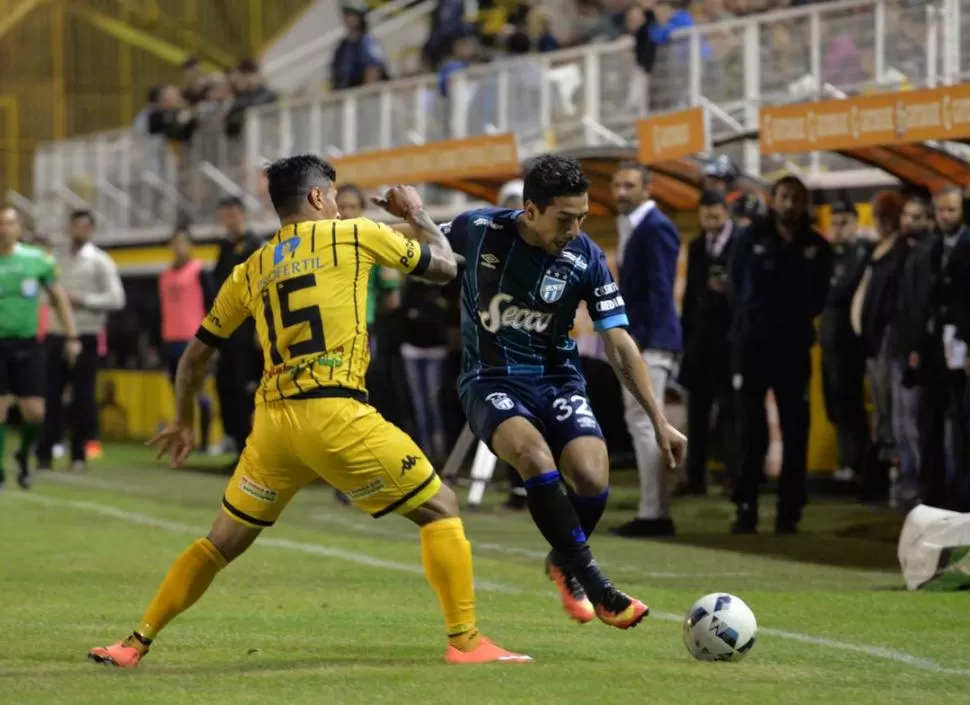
<point>720,627</point>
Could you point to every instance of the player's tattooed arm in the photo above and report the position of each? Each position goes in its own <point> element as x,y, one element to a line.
<point>443,267</point>
<point>624,356</point>
<point>189,378</point>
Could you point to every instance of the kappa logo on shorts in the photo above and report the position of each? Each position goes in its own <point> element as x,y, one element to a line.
<point>500,400</point>
<point>371,488</point>
<point>263,494</point>
<point>409,462</point>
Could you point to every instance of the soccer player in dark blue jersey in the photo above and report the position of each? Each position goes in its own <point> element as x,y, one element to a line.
<point>521,384</point>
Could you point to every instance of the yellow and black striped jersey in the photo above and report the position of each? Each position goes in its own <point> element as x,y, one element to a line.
<point>307,291</point>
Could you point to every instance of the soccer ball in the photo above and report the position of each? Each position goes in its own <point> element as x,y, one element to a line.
<point>719,627</point>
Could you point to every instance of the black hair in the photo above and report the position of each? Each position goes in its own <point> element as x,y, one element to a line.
<point>248,66</point>
<point>180,229</point>
<point>355,190</point>
<point>631,165</point>
<point>550,176</point>
<point>920,200</point>
<point>518,43</point>
<point>291,178</point>
<point>789,180</point>
<point>713,198</point>
<point>82,214</point>
<point>231,202</point>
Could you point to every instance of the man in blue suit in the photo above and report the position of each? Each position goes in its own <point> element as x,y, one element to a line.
<point>647,253</point>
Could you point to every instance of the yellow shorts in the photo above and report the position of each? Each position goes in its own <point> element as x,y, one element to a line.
<point>344,441</point>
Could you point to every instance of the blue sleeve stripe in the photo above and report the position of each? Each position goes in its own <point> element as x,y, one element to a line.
<point>617,321</point>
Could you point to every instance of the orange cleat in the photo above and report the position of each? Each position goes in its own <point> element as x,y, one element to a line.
<point>574,599</point>
<point>621,611</point>
<point>123,654</point>
<point>485,652</point>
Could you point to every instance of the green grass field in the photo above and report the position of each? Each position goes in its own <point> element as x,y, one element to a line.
<point>331,606</point>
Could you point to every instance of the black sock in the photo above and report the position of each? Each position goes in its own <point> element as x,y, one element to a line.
<point>589,509</point>
<point>556,518</point>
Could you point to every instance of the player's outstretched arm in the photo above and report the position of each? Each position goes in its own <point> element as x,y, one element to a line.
<point>178,438</point>
<point>626,360</point>
<point>405,202</point>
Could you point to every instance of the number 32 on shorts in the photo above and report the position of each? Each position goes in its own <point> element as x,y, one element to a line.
<point>575,404</point>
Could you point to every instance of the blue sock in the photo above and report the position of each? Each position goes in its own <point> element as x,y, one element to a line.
<point>556,518</point>
<point>589,509</point>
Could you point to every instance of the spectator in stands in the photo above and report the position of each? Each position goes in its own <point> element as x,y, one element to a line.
<point>638,22</point>
<point>667,88</point>
<point>873,316</point>
<point>359,59</point>
<point>90,278</point>
<point>194,81</point>
<point>714,11</point>
<point>250,91</point>
<point>463,51</point>
<point>593,24</point>
<point>185,293</point>
<point>143,119</point>
<point>497,19</point>
<point>705,371</point>
<point>538,25</point>
<point>843,354</point>
<point>447,25</point>
<point>647,253</point>
<point>777,284</point>
<point>916,224</point>
<point>240,363</point>
<point>174,119</point>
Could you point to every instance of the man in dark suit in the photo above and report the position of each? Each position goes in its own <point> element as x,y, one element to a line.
<point>649,246</point>
<point>706,368</point>
<point>843,356</point>
<point>942,278</point>
<point>240,363</point>
<point>778,281</point>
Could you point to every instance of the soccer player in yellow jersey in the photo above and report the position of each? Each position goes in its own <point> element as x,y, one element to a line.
<point>307,291</point>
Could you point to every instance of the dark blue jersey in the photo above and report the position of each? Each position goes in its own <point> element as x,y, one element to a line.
<point>518,303</point>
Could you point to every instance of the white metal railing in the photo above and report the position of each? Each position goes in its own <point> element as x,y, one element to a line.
<point>590,95</point>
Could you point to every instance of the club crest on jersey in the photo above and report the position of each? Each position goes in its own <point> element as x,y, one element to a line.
<point>552,288</point>
<point>285,248</point>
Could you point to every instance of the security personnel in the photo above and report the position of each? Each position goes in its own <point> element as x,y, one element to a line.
<point>843,356</point>
<point>778,283</point>
<point>705,370</point>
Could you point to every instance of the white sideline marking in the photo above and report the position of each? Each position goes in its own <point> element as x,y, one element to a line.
<point>900,657</point>
<point>349,520</point>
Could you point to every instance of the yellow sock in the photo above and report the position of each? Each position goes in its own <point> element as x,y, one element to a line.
<point>447,558</point>
<point>187,579</point>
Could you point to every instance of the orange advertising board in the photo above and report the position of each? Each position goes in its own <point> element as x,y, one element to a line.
<point>869,120</point>
<point>673,135</point>
<point>476,157</point>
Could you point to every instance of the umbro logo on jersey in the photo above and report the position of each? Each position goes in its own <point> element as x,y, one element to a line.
<point>489,260</point>
<point>487,222</point>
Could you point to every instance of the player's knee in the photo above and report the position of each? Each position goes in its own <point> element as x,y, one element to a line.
<point>230,537</point>
<point>589,481</point>
<point>444,505</point>
<point>530,460</point>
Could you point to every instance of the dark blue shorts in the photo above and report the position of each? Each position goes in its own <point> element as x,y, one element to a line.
<point>557,406</point>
